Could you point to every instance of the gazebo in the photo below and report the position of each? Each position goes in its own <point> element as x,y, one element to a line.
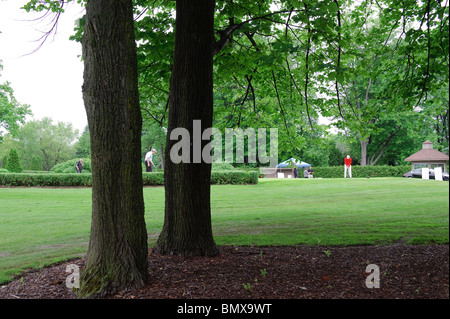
<point>428,157</point>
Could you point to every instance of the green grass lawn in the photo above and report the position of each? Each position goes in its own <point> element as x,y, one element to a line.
<point>40,226</point>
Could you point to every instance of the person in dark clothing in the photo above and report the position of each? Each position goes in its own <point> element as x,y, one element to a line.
<point>79,165</point>
<point>310,172</point>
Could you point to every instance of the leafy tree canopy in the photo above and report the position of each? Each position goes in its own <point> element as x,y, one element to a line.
<point>12,113</point>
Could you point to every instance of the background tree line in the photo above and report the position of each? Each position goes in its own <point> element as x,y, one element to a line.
<point>41,144</point>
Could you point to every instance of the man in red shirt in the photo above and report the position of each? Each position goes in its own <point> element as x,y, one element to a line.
<point>348,166</point>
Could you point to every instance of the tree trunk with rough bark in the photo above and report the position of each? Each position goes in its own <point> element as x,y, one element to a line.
<point>117,253</point>
<point>187,225</point>
<point>364,144</point>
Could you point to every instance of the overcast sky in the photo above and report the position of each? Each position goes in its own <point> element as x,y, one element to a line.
<point>50,79</point>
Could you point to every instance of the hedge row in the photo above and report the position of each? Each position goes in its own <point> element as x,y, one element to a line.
<point>45,179</point>
<point>234,177</point>
<point>85,179</point>
<point>361,171</point>
<point>217,177</point>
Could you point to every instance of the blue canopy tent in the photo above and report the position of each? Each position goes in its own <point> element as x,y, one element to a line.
<point>299,164</point>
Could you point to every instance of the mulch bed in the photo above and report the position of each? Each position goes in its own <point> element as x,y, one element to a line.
<point>291,272</point>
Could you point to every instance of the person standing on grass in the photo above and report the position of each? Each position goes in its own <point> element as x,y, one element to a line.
<point>310,172</point>
<point>305,173</point>
<point>79,165</point>
<point>295,169</point>
<point>149,160</point>
<point>348,166</point>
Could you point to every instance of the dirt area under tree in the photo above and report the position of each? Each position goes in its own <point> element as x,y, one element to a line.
<point>286,272</point>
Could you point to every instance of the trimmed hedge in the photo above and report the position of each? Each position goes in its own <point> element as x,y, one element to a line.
<point>217,177</point>
<point>45,179</point>
<point>234,177</point>
<point>362,171</point>
<point>85,179</point>
<point>153,179</point>
<point>69,166</point>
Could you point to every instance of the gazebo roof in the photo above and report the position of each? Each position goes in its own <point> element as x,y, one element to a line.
<point>427,153</point>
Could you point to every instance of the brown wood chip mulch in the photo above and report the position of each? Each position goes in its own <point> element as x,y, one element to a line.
<point>271,273</point>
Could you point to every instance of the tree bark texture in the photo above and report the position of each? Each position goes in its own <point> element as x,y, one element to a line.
<point>363,144</point>
<point>187,225</point>
<point>117,253</point>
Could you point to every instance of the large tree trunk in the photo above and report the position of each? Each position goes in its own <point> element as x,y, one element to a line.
<point>187,224</point>
<point>117,254</point>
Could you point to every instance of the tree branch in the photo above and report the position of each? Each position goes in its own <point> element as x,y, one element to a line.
<point>224,36</point>
<point>307,68</point>
<point>54,25</point>
<point>229,30</point>
<point>281,107</point>
<point>339,58</point>
<point>383,146</point>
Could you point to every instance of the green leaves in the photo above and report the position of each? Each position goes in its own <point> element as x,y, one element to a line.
<point>13,163</point>
<point>335,75</point>
<point>48,5</point>
<point>12,113</point>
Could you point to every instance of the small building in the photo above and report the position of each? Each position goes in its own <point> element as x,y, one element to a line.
<point>428,157</point>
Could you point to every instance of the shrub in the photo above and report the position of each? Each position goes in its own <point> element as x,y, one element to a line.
<point>234,177</point>
<point>222,167</point>
<point>13,163</point>
<point>153,179</point>
<point>69,166</point>
<point>36,163</point>
<point>85,179</point>
<point>3,161</point>
<point>362,171</point>
<point>217,177</point>
<point>46,179</point>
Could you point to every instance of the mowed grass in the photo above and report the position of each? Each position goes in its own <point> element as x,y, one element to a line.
<point>40,226</point>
